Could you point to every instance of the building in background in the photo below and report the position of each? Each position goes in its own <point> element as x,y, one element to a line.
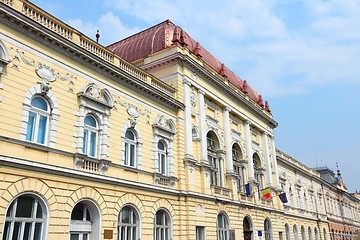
<point>150,138</point>
<point>342,207</point>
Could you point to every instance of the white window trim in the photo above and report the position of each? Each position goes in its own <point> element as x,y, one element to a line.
<point>40,201</point>
<point>95,216</point>
<point>44,91</point>
<point>138,147</point>
<point>138,226</point>
<point>164,130</point>
<point>98,103</point>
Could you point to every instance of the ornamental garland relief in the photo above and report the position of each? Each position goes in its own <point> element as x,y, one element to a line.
<point>49,75</point>
<point>43,71</point>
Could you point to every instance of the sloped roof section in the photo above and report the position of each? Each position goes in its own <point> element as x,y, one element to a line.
<point>164,35</point>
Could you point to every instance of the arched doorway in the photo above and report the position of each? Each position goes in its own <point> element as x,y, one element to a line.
<point>247,229</point>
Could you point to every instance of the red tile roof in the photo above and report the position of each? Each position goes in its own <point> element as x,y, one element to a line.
<point>164,35</point>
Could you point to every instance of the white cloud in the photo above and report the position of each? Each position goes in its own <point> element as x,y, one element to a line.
<point>111,28</point>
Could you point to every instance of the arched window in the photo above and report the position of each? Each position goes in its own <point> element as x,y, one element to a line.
<point>258,171</point>
<point>85,220</point>
<point>296,234</point>
<point>162,226</point>
<point>310,233</point>
<point>4,57</point>
<point>162,158</point>
<point>291,194</point>
<point>287,231</point>
<point>130,148</point>
<point>325,235</point>
<point>90,136</point>
<point>316,234</point>
<point>267,229</point>
<point>128,224</point>
<point>305,201</point>
<point>214,161</point>
<point>222,227</point>
<point>38,120</point>
<point>26,218</point>
<point>303,234</point>
<point>248,232</point>
<point>238,168</point>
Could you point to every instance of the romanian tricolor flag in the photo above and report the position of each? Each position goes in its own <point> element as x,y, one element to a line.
<point>266,193</point>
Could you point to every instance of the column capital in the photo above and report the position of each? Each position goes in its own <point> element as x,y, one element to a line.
<point>227,108</point>
<point>202,92</point>
<point>186,81</point>
<point>247,121</point>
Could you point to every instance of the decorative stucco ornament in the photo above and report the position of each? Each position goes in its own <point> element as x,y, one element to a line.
<point>45,73</point>
<point>132,111</point>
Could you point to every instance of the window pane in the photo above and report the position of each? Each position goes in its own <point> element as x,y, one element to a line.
<point>6,230</point>
<point>90,121</point>
<point>27,231</point>
<point>92,144</point>
<point>78,212</point>
<point>129,135</point>
<point>85,236</point>
<point>24,206</point>
<point>132,155</point>
<point>85,140</point>
<point>163,163</point>
<point>17,231</point>
<point>126,154</point>
<point>161,146</point>
<point>159,218</point>
<point>39,212</point>
<point>87,217</point>
<point>134,220</point>
<point>125,215</point>
<point>10,210</point>
<point>42,130</point>
<point>30,126</point>
<point>38,231</point>
<point>74,237</point>
<point>123,233</point>
<point>39,103</point>
<point>128,233</point>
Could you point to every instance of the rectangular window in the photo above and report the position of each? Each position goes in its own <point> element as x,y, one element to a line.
<point>200,233</point>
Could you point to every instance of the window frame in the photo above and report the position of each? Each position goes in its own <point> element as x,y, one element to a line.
<point>12,219</point>
<point>162,158</point>
<point>88,146</point>
<point>162,231</point>
<point>134,215</point>
<point>86,227</point>
<point>267,230</point>
<point>214,161</point>
<point>222,232</point>
<point>237,167</point>
<point>38,114</point>
<point>128,144</point>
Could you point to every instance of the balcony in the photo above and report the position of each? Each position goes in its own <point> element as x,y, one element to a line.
<point>165,181</point>
<point>217,190</point>
<point>89,164</point>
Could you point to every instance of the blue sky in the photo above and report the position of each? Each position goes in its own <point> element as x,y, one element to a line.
<point>302,56</point>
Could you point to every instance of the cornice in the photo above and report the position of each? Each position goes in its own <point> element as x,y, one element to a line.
<point>34,30</point>
<point>91,177</point>
<point>191,63</point>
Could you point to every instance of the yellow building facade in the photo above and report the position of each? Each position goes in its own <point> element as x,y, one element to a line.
<point>98,144</point>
